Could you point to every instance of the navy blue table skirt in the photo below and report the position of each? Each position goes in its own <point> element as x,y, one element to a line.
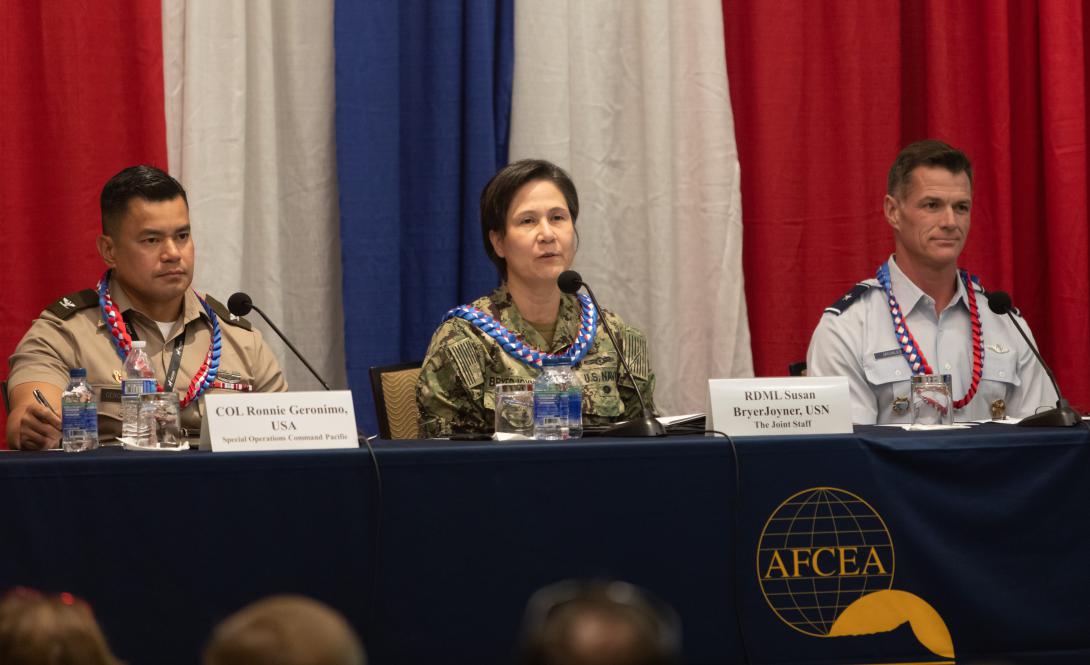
<point>988,528</point>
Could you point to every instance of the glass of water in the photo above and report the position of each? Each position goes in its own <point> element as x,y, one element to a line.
<point>932,400</point>
<point>160,418</point>
<point>515,409</point>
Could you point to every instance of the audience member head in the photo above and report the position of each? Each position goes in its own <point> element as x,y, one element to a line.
<point>599,623</point>
<point>285,630</point>
<point>929,152</point>
<point>145,182</point>
<point>497,195</point>
<point>36,629</point>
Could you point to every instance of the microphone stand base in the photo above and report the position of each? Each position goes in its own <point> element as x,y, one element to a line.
<point>637,427</point>
<point>1062,416</point>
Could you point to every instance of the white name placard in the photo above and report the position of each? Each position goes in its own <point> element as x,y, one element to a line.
<point>235,422</point>
<point>772,406</point>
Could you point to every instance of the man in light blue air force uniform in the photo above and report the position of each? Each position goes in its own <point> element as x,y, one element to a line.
<point>921,314</point>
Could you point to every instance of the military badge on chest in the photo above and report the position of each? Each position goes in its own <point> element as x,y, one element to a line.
<point>228,380</point>
<point>900,405</point>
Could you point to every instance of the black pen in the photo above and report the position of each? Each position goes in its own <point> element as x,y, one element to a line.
<point>43,401</point>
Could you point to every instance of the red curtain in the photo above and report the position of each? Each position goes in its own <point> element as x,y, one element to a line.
<point>826,93</point>
<point>81,97</point>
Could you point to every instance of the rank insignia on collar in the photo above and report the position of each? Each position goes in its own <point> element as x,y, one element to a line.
<point>999,409</point>
<point>900,405</point>
<point>998,348</point>
<point>118,376</point>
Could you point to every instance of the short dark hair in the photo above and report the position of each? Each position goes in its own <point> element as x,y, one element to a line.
<point>497,195</point>
<point>599,621</point>
<point>930,152</point>
<point>143,181</point>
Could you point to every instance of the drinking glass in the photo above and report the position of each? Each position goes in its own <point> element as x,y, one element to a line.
<point>515,409</point>
<point>932,400</point>
<point>159,416</point>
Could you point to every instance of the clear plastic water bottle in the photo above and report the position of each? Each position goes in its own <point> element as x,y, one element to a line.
<point>79,414</point>
<point>139,379</point>
<point>551,399</point>
<point>575,405</point>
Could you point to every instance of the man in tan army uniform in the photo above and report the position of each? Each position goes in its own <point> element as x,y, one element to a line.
<point>147,245</point>
<point>456,390</point>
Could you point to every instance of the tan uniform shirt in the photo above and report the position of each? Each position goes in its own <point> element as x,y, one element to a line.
<point>70,333</point>
<point>456,389</point>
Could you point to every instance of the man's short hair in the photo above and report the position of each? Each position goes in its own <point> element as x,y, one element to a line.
<point>930,152</point>
<point>497,195</point>
<point>144,182</point>
<point>599,623</point>
<point>285,630</point>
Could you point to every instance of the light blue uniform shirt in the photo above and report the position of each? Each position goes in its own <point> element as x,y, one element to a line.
<point>860,344</point>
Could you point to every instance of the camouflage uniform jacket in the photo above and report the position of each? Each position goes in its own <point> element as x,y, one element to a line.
<point>456,393</point>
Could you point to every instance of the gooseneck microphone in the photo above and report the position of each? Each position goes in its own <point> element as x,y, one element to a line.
<point>1060,416</point>
<point>240,304</point>
<point>570,281</point>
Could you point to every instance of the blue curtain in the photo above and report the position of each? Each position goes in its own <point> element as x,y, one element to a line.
<point>423,104</point>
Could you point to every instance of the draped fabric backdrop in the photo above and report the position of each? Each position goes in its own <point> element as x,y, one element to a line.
<point>632,98</point>
<point>81,97</point>
<point>249,98</point>
<point>825,94</point>
<point>423,96</point>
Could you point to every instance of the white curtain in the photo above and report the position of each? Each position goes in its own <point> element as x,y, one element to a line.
<point>250,134</point>
<point>632,99</point>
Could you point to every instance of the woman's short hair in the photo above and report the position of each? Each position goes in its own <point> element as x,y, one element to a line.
<point>500,191</point>
<point>38,629</point>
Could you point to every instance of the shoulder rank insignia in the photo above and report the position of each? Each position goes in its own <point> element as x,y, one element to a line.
<point>74,302</point>
<point>848,299</point>
<point>225,314</point>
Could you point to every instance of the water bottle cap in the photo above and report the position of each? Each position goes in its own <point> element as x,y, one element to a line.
<point>555,361</point>
<point>77,373</point>
<point>139,343</point>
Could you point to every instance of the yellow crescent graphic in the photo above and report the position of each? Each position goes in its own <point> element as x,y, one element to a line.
<point>883,611</point>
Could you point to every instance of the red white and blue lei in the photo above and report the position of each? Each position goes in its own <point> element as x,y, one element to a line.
<point>513,345</point>
<point>122,341</point>
<point>911,350</point>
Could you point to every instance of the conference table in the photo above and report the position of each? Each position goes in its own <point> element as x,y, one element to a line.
<point>849,548</point>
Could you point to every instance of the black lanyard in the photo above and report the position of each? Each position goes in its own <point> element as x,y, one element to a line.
<point>175,356</point>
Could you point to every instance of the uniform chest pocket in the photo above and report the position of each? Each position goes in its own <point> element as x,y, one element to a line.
<point>602,399</point>
<point>1001,368</point>
<point>887,370</point>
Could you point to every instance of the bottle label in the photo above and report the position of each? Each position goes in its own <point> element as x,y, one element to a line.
<point>550,408</point>
<point>137,386</point>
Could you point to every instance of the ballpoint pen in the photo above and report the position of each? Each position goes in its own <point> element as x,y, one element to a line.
<point>44,402</point>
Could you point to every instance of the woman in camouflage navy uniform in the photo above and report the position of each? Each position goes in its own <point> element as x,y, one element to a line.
<point>528,213</point>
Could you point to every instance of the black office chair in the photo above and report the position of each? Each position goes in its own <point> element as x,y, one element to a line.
<point>394,390</point>
<point>797,369</point>
<point>7,402</point>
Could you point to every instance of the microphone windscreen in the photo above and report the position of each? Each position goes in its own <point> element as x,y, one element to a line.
<point>999,302</point>
<point>240,304</point>
<point>569,281</point>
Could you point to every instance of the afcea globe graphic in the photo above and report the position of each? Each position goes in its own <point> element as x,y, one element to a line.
<point>822,549</point>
